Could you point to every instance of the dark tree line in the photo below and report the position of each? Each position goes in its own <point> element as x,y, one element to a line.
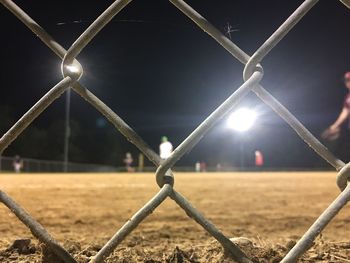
<point>88,144</point>
<point>93,140</point>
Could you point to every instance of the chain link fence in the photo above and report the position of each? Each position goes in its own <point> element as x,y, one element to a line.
<point>252,75</point>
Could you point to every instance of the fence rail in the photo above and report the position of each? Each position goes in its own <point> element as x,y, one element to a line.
<point>31,165</point>
<point>252,75</point>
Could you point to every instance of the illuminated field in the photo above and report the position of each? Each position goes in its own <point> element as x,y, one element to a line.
<point>268,208</point>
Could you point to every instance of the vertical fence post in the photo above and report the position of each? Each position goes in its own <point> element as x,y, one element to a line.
<point>67,132</point>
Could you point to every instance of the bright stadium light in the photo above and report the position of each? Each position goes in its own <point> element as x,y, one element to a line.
<point>241,120</point>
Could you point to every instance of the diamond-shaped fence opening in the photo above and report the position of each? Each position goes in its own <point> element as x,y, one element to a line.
<point>252,75</point>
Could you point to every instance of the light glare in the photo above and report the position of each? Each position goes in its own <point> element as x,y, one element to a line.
<point>72,68</point>
<point>241,120</point>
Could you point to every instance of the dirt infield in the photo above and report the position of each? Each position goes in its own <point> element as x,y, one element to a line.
<point>82,211</point>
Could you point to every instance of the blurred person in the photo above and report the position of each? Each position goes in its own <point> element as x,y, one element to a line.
<point>259,159</point>
<point>197,167</point>
<point>337,136</point>
<point>333,131</point>
<point>17,164</point>
<point>128,162</point>
<point>165,148</point>
<point>218,167</point>
<point>203,167</point>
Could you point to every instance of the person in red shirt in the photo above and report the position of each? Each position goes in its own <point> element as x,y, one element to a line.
<point>259,159</point>
<point>333,132</point>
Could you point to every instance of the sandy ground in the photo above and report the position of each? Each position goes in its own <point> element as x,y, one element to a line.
<point>82,211</point>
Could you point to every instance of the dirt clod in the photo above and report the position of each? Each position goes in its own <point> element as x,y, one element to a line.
<point>179,256</point>
<point>48,256</point>
<point>22,246</point>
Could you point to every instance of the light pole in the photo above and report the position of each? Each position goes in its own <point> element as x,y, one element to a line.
<point>241,121</point>
<point>67,132</point>
<point>76,72</point>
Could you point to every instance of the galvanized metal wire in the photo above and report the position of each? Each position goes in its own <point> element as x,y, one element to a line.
<point>252,75</point>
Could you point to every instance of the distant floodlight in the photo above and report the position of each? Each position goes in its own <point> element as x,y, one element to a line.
<point>73,68</point>
<point>241,120</point>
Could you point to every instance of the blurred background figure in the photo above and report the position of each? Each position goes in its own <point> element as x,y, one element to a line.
<point>128,162</point>
<point>333,132</point>
<point>165,148</point>
<point>259,159</point>
<point>337,135</point>
<point>197,167</point>
<point>17,164</point>
<point>218,167</point>
<point>203,167</point>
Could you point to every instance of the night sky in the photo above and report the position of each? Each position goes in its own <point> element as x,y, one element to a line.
<point>163,75</point>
